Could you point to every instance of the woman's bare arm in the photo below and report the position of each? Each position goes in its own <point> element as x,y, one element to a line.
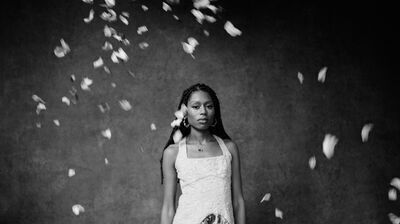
<point>168,165</point>
<point>237,198</point>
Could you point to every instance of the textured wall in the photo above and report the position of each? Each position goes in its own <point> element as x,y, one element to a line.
<point>277,122</point>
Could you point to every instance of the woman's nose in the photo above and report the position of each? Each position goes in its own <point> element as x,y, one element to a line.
<point>203,110</point>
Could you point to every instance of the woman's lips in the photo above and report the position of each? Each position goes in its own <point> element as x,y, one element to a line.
<point>202,120</point>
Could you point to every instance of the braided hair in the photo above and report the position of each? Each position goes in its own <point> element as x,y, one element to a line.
<point>217,130</point>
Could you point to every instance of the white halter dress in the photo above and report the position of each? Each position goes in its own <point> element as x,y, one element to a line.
<point>206,187</point>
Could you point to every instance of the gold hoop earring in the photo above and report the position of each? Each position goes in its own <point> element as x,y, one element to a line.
<point>215,123</point>
<point>186,122</point>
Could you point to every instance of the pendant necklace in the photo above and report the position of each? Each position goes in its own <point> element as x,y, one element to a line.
<point>200,147</point>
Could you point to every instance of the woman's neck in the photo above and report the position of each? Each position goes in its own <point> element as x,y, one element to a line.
<point>199,137</point>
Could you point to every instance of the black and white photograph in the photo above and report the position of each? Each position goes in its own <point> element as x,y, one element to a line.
<point>199,112</point>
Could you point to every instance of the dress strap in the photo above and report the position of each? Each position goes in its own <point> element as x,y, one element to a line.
<point>182,147</point>
<point>221,144</point>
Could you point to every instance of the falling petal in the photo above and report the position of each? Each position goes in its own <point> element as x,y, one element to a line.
<point>142,29</point>
<point>109,31</point>
<point>37,99</point>
<point>113,85</point>
<point>198,4</point>
<point>59,52</point>
<point>63,50</point>
<point>104,107</point>
<point>56,122</point>
<point>71,172</point>
<point>199,15</point>
<point>213,8</point>
<point>124,20</point>
<point>110,3</point>
<point>40,107</point>
<point>312,162</point>
<point>175,17</point>
<point>106,133</point>
<point>392,194</point>
<point>65,100</point>
<point>278,213</point>
<point>322,74</point>
<point>65,45</point>
<point>90,17</point>
<point>266,197</point>
<point>193,42</point>
<point>38,125</point>
<point>187,48</point>
<point>98,63</point>
<point>109,16</point>
<point>166,7</point>
<point>106,161</point>
<point>126,14</point>
<point>145,8</point>
<point>206,33</point>
<point>122,55</point>
<point>365,131</point>
<point>86,82</point>
<point>125,105</point>
<point>143,45</point>
<point>73,78</point>
<point>118,37</point>
<point>114,57</point>
<point>210,19</point>
<point>232,30</point>
<point>107,70</point>
<point>107,46</point>
<point>131,74</point>
<point>300,77</point>
<point>395,183</point>
<point>126,42</point>
<point>177,136</point>
<point>153,127</point>
<point>88,1</point>
<point>328,146</point>
<point>76,209</point>
<point>394,218</point>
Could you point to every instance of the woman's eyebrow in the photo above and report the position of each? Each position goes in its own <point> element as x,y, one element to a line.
<point>210,101</point>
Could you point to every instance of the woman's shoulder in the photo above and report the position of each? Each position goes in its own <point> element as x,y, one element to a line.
<point>231,145</point>
<point>171,151</point>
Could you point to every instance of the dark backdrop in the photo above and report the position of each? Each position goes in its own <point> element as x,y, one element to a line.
<point>277,122</point>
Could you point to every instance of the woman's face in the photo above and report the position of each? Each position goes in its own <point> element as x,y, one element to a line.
<point>201,110</point>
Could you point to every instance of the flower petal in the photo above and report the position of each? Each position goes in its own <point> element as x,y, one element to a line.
<point>232,30</point>
<point>322,74</point>
<point>71,172</point>
<point>76,209</point>
<point>106,133</point>
<point>395,183</point>
<point>166,7</point>
<point>328,145</point>
<point>266,197</point>
<point>142,29</point>
<point>90,17</point>
<point>300,77</point>
<point>278,213</point>
<point>312,162</point>
<point>365,131</point>
<point>98,63</point>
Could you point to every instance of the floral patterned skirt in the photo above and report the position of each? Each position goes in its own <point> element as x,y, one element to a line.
<point>214,219</point>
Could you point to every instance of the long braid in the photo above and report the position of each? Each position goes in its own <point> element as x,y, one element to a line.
<point>217,130</point>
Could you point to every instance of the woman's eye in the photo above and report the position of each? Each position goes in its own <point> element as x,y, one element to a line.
<point>195,107</point>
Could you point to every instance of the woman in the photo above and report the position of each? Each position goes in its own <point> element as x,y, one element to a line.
<point>202,158</point>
